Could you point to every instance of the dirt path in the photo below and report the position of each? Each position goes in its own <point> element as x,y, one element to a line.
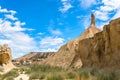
<point>22,76</point>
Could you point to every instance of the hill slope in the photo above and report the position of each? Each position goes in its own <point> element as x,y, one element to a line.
<point>66,56</point>
<point>100,50</point>
<point>35,55</point>
<point>92,48</point>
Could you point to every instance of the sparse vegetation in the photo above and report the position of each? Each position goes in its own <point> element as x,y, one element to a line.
<point>58,73</point>
<point>71,75</point>
<point>54,76</point>
<point>37,76</point>
<point>10,75</point>
<point>46,72</point>
<point>106,75</point>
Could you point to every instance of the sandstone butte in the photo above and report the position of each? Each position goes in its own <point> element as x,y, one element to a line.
<point>5,59</point>
<point>92,48</point>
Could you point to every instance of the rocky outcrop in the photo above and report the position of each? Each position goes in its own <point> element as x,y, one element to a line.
<point>91,30</point>
<point>68,53</point>
<point>5,59</point>
<point>33,57</point>
<point>102,49</point>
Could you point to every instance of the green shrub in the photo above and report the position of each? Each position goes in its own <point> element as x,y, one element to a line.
<point>12,74</point>
<point>93,71</point>
<point>42,68</point>
<point>21,79</point>
<point>37,76</point>
<point>46,72</point>
<point>71,75</point>
<point>106,76</point>
<point>9,78</point>
<point>84,73</point>
<point>54,76</point>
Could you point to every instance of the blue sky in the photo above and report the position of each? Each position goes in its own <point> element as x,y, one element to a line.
<point>45,25</point>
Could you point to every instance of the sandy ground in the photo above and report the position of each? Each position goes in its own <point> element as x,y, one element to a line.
<point>22,76</point>
<point>6,68</point>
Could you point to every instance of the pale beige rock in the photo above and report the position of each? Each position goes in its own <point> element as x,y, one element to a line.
<point>90,31</point>
<point>100,49</point>
<point>93,48</point>
<point>68,55</point>
<point>5,59</point>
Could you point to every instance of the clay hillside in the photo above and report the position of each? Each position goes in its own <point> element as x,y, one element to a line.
<point>92,48</point>
<point>67,55</point>
<point>35,56</point>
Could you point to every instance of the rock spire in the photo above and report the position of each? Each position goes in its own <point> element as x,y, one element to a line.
<point>92,20</point>
<point>91,30</point>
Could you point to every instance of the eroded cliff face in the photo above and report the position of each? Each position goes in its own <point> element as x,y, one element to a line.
<point>5,59</point>
<point>101,50</point>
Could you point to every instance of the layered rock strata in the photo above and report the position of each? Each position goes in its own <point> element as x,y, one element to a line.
<point>102,49</point>
<point>5,59</point>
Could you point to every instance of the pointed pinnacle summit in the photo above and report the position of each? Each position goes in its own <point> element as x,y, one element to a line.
<point>92,20</point>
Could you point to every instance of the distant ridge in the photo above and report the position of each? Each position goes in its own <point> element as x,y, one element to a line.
<point>34,55</point>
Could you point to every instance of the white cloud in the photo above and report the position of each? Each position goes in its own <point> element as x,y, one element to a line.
<point>7,11</point>
<point>51,43</point>
<point>101,15</point>
<point>49,50</point>
<point>66,6</point>
<point>20,41</point>
<point>18,23</point>
<point>11,32</point>
<point>3,10</point>
<point>40,33</point>
<point>106,8</point>
<point>55,32</point>
<point>111,3</point>
<point>2,41</point>
<point>109,7</point>
<point>7,26</point>
<point>9,16</point>
<point>84,20</point>
<point>87,3</point>
<point>78,17</point>
<point>12,12</point>
<point>117,15</point>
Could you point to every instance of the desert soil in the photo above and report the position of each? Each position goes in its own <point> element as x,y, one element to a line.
<point>22,76</point>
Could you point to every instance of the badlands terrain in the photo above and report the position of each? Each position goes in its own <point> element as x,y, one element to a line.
<point>94,55</point>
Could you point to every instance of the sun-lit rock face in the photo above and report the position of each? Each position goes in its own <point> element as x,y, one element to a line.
<point>100,50</point>
<point>103,50</point>
<point>67,55</point>
<point>5,58</point>
<point>5,54</point>
<point>91,30</point>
